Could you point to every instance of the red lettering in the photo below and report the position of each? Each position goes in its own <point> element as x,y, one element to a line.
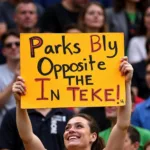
<point>107,93</point>
<point>73,89</point>
<point>42,87</point>
<point>32,46</point>
<point>94,94</point>
<point>93,42</point>
<point>82,94</point>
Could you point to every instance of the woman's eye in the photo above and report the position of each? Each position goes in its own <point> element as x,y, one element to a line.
<point>79,126</point>
<point>91,12</point>
<point>66,128</point>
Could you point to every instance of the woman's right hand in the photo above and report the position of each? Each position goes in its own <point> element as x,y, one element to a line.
<point>19,88</point>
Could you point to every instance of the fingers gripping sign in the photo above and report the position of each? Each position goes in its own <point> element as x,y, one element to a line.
<point>126,69</point>
<point>19,88</point>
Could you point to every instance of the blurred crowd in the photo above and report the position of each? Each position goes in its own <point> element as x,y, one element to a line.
<point>132,17</point>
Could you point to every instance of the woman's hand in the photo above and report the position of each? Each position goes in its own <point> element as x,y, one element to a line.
<point>19,88</point>
<point>126,69</point>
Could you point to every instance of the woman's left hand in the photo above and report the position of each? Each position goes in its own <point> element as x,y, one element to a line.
<point>126,69</point>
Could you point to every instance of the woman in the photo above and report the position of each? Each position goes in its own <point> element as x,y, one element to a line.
<point>137,45</point>
<point>81,133</point>
<point>92,18</point>
<point>125,16</point>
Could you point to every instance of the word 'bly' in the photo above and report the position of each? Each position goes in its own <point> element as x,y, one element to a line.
<point>97,43</point>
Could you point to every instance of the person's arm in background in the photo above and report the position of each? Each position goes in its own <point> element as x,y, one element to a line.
<point>118,133</point>
<point>6,92</point>
<point>30,140</point>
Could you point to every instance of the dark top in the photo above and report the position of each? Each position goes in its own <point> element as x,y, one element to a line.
<point>56,18</point>
<point>98,113</point>
<point>49,129</point>
<point>139,79</point>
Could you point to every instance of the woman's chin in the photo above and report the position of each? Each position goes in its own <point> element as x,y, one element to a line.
<point>72,144</point>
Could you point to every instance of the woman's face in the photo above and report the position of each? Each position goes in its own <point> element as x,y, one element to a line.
<point>77,134</point>
<point>94,17</point>
<point>147,18</point>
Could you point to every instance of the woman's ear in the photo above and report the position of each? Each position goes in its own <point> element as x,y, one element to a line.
<point>136,145</point>
<point>93,137</point>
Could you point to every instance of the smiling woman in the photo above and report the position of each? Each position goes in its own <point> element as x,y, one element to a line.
<point>81,132</point>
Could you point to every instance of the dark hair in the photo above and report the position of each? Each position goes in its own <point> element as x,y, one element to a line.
<point>82,15</point>
<point>70,26</point>
<point>99,143</point>
<point>142,29</point>
<point>26,2</point>
<point>119,5</point>
<point>9,33</point>
<point>146,145</point>
<point>133,134</point>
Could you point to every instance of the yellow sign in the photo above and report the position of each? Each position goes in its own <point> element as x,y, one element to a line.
<point>72,70</point>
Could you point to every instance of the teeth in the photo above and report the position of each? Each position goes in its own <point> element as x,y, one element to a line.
<point>72,137</point>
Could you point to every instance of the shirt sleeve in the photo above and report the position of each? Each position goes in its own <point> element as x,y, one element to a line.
<point>9,136</point>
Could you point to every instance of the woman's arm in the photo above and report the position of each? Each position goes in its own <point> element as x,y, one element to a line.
<point>30,140</point>
<point>118,133</point>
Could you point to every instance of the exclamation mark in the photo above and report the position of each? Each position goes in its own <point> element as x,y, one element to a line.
<point>118,93</point>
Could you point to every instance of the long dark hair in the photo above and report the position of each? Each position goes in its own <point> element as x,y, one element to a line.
<point>82,15</point>
<point>119,5</point>
<point>98,144</point>
<point>142,29</point>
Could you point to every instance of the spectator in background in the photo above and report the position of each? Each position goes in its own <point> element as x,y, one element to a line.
<point>47,124</point>
<point>92,18</point>
<point>147,146</point>
<point>140,116</point>
<point>7,11</point>
<point>132,138</point>
<point>125,17</point>
<point>57,17</point>
<point>139,85</point>
<point>137,50</point>
<point>26,17</point>
<point>9,70</point>
<point>3,29</point>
